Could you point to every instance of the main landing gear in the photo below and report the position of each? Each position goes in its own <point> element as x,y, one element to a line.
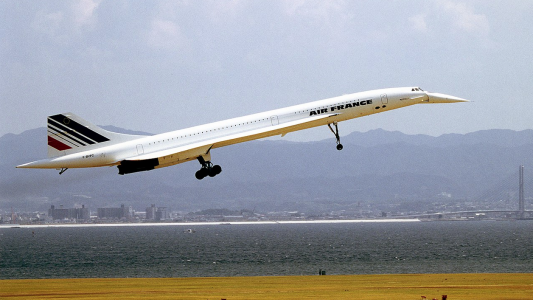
<point>208,169</point>
<point>336,133</point>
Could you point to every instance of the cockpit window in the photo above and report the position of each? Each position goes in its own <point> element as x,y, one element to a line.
<point>416,89</point>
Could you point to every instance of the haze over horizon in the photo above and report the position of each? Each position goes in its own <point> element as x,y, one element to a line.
<point>163,65</point>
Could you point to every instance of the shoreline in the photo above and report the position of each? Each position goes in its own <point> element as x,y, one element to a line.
<point>14,226</point>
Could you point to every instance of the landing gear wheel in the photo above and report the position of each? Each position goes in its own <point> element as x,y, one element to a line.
<point>217,169</point>
<point>201,174</point>
<point>339,147</point>
<point>198,175</point>
<point>207,169</point>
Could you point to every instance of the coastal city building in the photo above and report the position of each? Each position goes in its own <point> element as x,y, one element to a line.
<point>157,213</point>
<point>61,213</point>
<point>111,213</point>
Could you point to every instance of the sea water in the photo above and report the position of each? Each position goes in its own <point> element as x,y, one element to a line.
<point>266,249</point>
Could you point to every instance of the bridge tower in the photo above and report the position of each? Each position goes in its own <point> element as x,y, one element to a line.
<point>521,206</point>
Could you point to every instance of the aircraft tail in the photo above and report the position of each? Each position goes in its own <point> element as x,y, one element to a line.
<point>68,133</point>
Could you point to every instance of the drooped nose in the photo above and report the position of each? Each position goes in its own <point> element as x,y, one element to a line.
<point>443,98</point>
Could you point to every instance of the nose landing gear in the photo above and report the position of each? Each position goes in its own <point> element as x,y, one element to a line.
<point>336,133</point>
<point>208,169</point>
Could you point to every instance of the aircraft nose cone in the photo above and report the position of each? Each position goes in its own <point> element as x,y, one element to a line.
<point>443,98</point>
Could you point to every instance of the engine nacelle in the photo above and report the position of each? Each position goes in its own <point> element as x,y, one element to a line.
<point>132,166</point>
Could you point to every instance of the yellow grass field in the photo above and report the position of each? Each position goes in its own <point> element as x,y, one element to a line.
<point>410,286</point>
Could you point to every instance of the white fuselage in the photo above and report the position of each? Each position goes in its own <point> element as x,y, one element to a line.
<point>250,127</point>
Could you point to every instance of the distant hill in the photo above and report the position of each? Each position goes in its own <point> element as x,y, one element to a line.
<point>495,137</point>
<point>375,167</point>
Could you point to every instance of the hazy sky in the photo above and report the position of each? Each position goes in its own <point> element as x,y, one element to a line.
<point>158,66</point>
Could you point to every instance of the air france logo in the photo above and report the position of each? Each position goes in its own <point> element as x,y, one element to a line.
<point>339,107</point>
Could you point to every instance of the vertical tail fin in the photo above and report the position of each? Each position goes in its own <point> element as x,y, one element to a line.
<point>68,133</point>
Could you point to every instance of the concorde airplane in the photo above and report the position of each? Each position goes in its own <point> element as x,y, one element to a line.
<point>76,143</point>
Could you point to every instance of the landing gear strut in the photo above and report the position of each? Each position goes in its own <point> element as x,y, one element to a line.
<point>208,169</point>
<point>336,133</point>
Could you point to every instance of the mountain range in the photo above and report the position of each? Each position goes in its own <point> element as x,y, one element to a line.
<point>376,167</point>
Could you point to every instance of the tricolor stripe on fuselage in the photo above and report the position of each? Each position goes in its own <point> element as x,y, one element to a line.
<point>65,133</point>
